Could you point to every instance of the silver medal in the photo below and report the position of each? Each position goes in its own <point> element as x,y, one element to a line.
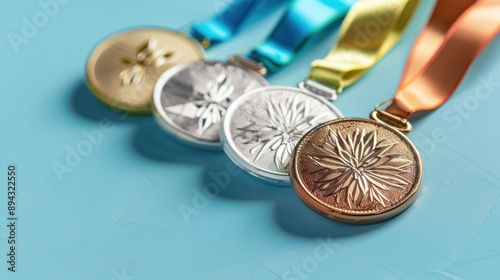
<point>190,99</point>
<point>262,127</point>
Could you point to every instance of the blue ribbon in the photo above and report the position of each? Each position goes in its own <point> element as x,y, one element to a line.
<point>303,20</point>
<point>227,22</point>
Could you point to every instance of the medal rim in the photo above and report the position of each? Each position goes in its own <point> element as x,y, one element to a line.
<point>93,83</point>
<point>166,123</point>
<point>279,178</point>
<point>327,211</point>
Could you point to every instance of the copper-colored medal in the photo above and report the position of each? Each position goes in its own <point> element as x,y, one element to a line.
<point>123,70</point>
<point>356,171</point>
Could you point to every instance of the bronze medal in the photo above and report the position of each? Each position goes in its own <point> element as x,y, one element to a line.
<point>356,171</point>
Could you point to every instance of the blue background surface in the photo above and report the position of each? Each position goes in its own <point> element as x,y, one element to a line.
<point>117,214</point>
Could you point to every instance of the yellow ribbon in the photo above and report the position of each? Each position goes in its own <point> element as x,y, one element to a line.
<point>369,31</point>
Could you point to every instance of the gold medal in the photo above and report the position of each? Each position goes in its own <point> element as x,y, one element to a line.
<point>356,171</point>
<point>123,70</point>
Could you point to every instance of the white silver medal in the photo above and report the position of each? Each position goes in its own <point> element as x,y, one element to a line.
<point>262,127</point>
<point>190,99</point>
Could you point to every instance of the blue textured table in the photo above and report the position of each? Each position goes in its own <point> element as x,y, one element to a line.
<point>135,205</point>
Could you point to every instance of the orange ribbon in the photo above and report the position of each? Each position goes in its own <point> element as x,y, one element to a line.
<point>456,34</point>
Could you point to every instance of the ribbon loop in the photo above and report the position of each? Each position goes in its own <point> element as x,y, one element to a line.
<point>368,32</point>
<point>303,20</point>
<point>455,37</point>
<point>226,23</point>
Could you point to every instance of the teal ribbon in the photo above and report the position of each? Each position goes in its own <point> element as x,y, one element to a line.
<point>225,24</point>
<point>303,20</point>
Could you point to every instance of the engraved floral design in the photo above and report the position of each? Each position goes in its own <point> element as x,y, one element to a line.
<point>362,164</point>
<point>213,101</point>
<point>149,56</point>
<point>276,125</point>
<point>209,99</point>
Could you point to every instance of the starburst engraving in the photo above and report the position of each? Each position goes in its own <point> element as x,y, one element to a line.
<point>361,164</point>
<point>209,104</point>
<point>149,56</point>
<point>276,125</point>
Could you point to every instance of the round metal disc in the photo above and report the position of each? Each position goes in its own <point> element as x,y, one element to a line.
<point>190,99</point>
<point>356,171</point>
<point>122,70</point>
<point>262,127</point>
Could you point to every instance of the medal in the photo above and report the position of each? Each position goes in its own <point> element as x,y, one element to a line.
<point>366,171</point>
<point>190,99</point>
<point>262,127</point>
<point>122,70</point>
<point>356,171</point>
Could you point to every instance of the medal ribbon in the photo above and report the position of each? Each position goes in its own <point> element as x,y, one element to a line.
<point>303,20</point>
<point>456,34</point>
<point>369,31</point>
<point>224,25</point>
